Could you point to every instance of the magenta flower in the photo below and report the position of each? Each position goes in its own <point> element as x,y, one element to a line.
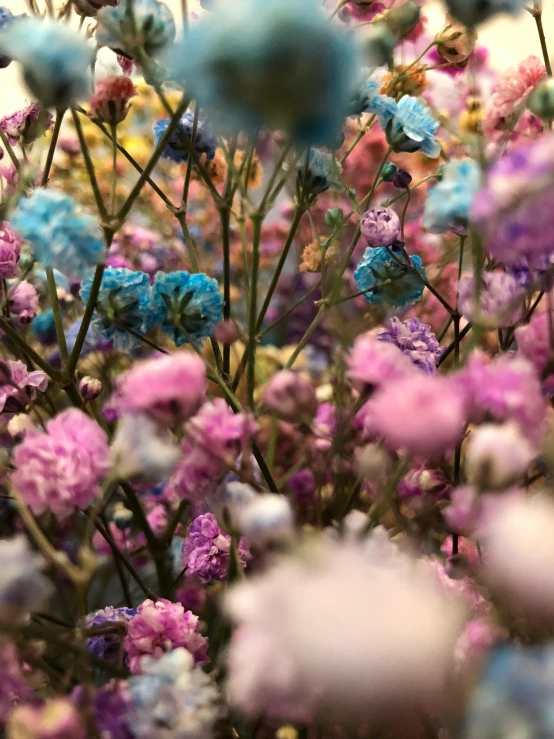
<point>207,548</point>
<point>159,627</point>
<point>10,250</point>
<point>26,125</point>
<point>374,363</point>
<point>533,341</point>
<point>18,386</point>
<point>23,301</point>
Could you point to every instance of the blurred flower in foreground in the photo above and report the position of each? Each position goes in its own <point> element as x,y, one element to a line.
<point>177,148</point>
<point>500,299</point>
<point>6,19</point>
<point>533,341</point>
<point>473,12</point>
<point>448,203</point>
<point>23,588</point>
<point>58,718</point>
<point>497,456</point>
<point>386,279</point>
<point>374,362</point>
<point>26,125</point>
<point>136,24</point>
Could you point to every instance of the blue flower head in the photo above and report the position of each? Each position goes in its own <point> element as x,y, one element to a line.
<point>123,303</point>
<point>276,63</point>
<point>55,60</point>
<point>449,202</point>
<point>472,12</point>
<point>61,235</point>
<point>367,99</point>
<point>177,147</point>
<point>320,172</point>
<point>413,128</point>
<point>150,26</point>
<point>186,306</point>
<point>6,19</point>
<point>44,327</point>
<point>391,281</point>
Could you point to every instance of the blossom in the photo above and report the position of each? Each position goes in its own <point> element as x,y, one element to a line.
<point>146,24</point>
<point>413,128</point>
<point>318,171</point>
<point>18,386</point>
<point>110,102</point>
<point>173,698</point>
<point>57,718</point>
<point>290,396</point>
<point>499,296</point>
<point>266,519</point>
<point>159,627</point>
<point>23,587</point>
<point>6,19</point>
<point>23,301</point>
<point>187,307</point>
<point>90,388</point>
<point>26,125</point>
<point>380,227</point>
<point>367,99</point>
<point>123,302</point>
<point>533,341</point>
<point>415,339</point>
<point>373,363</point>
<point>141,448</point>
<point>110,707</point>
<point>514,86</point>
<point>107,646</point>
<point>387,279</point>
<point>449,202</point>
<point>59,469</point>
<point>60,234</point>
<point>13,687</point>
<point>207,549</point>
<point>10,251</point>
<point>280,65</point>
<point>55,60</point>
<point>178,145</point>
<point>473,12</point>
<point>497,456</point>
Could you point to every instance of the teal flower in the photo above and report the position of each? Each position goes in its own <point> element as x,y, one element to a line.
<point>123,303</point>
<point>390,280</point>
<point>413,128</point>
<point>448,203</point>
<point>368,100</point>
<point>153,28</point>
<point>186,307</point>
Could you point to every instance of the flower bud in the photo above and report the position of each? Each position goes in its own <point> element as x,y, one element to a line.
<point>110,102</point>
<point>402,179</point>
<point>456,42</point>
<point>18,426</point>
<point>380,227</point>
<point>268,519</point>
<point>334,217</point>
<point>402,20</point>
<point>290,396</point>
<point>379,45</point>
<point>122,516</point>
<point>541,100</point>
<point>497,456</point>
<point>226,332</point>
<point>89,8</point>
<point>373,463</point>
<point>388,172</point>
<point>90,388</point>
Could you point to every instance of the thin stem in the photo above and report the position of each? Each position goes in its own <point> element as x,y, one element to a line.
<point>9,149</point>
<point>52,148</point>
<point>114,168</point>
<point>57,311</point>
<point>542,39</point>
<point>89,167</point>
<point>252,312</point>
<point>192,142</point>
<point>87,317</point>
<point>304,340</point>
<point>29,351</point>
<point>293,307</point>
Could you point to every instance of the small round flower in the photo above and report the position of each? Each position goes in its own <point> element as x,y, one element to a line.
<point>187,307</point>
<point>498,299</point>
<point>380,227</point>
<point>177,148</point>
<point>456,42</point>
<point>18,386</point>
<point>110,102</point>
<point>373,363</point>
<point>90,388</point>
<point>23,587</point>
<point>26,125</point>
<point>146,24</point>
<point>107,646</point>
<point>10,251</point>
<point>159,627</point>
<point>55,60</point>
<point>60,234</point>
<point>514,86</point>
<point>449,202</point>
<point>497,456</point>
<point>389,280</point>
<point>290,396</point>
<point>413,128</point>
<point>123,301</point>
<point>207,550</point>
<point>416,340</point>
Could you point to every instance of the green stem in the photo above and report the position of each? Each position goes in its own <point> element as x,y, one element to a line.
<point>89,167</point>
<point>9,149</point>
<point>114,168</point>
<point>252,312</point>
<point>542,39</point>
<point>30,352</point>
<point>58,319</point>
<point>304,340</point>
<point>87,317</point>
<point>52,148</point>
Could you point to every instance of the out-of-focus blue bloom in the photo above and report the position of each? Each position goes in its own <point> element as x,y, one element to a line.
<point>44,328</point>
<point>413,128</point>
<point>395,283</point>
<point>93,340</point>
<point>6,19</point>
<point>516,690</point>
<point>153,28</point>
<point>107,646</point>
<point>55,60</point>
<point>123,303</point>
<point>319,173</point>
<point>448,203</point>
<point>177,147</point>
<point>60,234</point>
<point>186,306</point>
<point>276,63</point>
<point>367,99</point>
<point>472,12</point>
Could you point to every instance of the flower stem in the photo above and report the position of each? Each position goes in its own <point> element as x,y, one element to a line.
<point>58,319</point>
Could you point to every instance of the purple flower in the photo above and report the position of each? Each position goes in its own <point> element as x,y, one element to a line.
<point>23,301</point>
<point>13,687</point>
<point>18,386</point>
<point>380,227</point>
<point>107,645</point>
<point>416,340</point>
<point>497,300</point>
<point>207,548</point>
<point>10,250</point>
<point>26,125</point>
<point>110,706</point>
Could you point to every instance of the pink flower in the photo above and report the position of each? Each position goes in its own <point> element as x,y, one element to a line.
<point>27,124</point>
<point>159,627</point>
<point>290,396</point>
<point>423,415</point>
<point>56,719</point>
<point>10,250</point>
<point>514,85</point>
<point>533,341</point>
<point>478,637</point>
<point>373,363</point>
<point>59,469</point>
<point>171,389</point>
<point>110,102</point>
<point>18,383</point>
<point>23,301</point>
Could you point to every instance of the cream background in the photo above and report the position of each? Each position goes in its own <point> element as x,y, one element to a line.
<point>509,41</point>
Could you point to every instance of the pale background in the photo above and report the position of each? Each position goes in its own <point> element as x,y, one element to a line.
<point>509,41</point>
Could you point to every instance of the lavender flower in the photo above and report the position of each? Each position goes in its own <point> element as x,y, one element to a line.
<point>107,645</point>
<point>416,339</point>
<point>26,125</point>
<point>498,299</point>
<point>206,550</point>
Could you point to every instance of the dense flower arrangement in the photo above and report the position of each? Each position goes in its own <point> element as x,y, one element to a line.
<point>276,373</point>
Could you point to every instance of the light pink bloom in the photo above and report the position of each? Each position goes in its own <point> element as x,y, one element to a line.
<point>533,341</point>
<point>10,250</point>
<point>516,84</point>
<point>18,384</point>
<point>56,719</point>
<point>497,456</point>
<point>110,102</point>
<point>290,396</point>
<point>373,363</point>
<point>23,301</point>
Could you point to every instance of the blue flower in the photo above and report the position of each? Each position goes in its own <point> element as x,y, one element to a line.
<point>368,100</point>
<point>178,145</point>
<point>186,306</point>
<point>413,128</point>
<point>276,63</point>
<point>394,282</point>
<point>61,236</point>
<point>472,12</point>
<point>55,60</point>
<point>448,203</point>
<point>153,28</point>
<point>6,19</point>
<point>320,174</point>
<point>44,327</point>
<point>123,303</point>
<point>93,340</point>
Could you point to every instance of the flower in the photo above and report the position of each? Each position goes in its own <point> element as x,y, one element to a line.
<point>266,519</point>
<point>373,363</point>
<point>13,687</point>
<point>57,718</point>
<point>173,699</point>
<point>514,86</point>
<point>207,550</point>
<point>10,251</point>
<point>500,292</point>
<point>170,389</point>
<point>110,102</point>
<point>129,27</point>
<point>107,646</point>
<point>423,414</point>
<point>26,125</point>
<point>449,202</point>
<point>319,172</point>
<point>6,19</point>
<point>159,627</point>
<point>110,707</point>
<point>473,12</point>
<point>386,279</point>
<point>416,340</point>
<point>456,42</point>
<point>367,99</point>
<point>533,342</point>
<point>59,469</point>
<point>18,386</point>
<point>123,302</point>
<point>60,234</point>
<point>187,307</point>
<point>142,448</point>
<point>90,388</point>
<point>380,227</point>
<point>497,456</point>
<point>178,145</point>
<point>89,8</point>
<point>413,128</point>
<point>280,64</point>
<point>55,60</point>
<point>23,301</point>
<point>290,396</point>
<point>23,588</point>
